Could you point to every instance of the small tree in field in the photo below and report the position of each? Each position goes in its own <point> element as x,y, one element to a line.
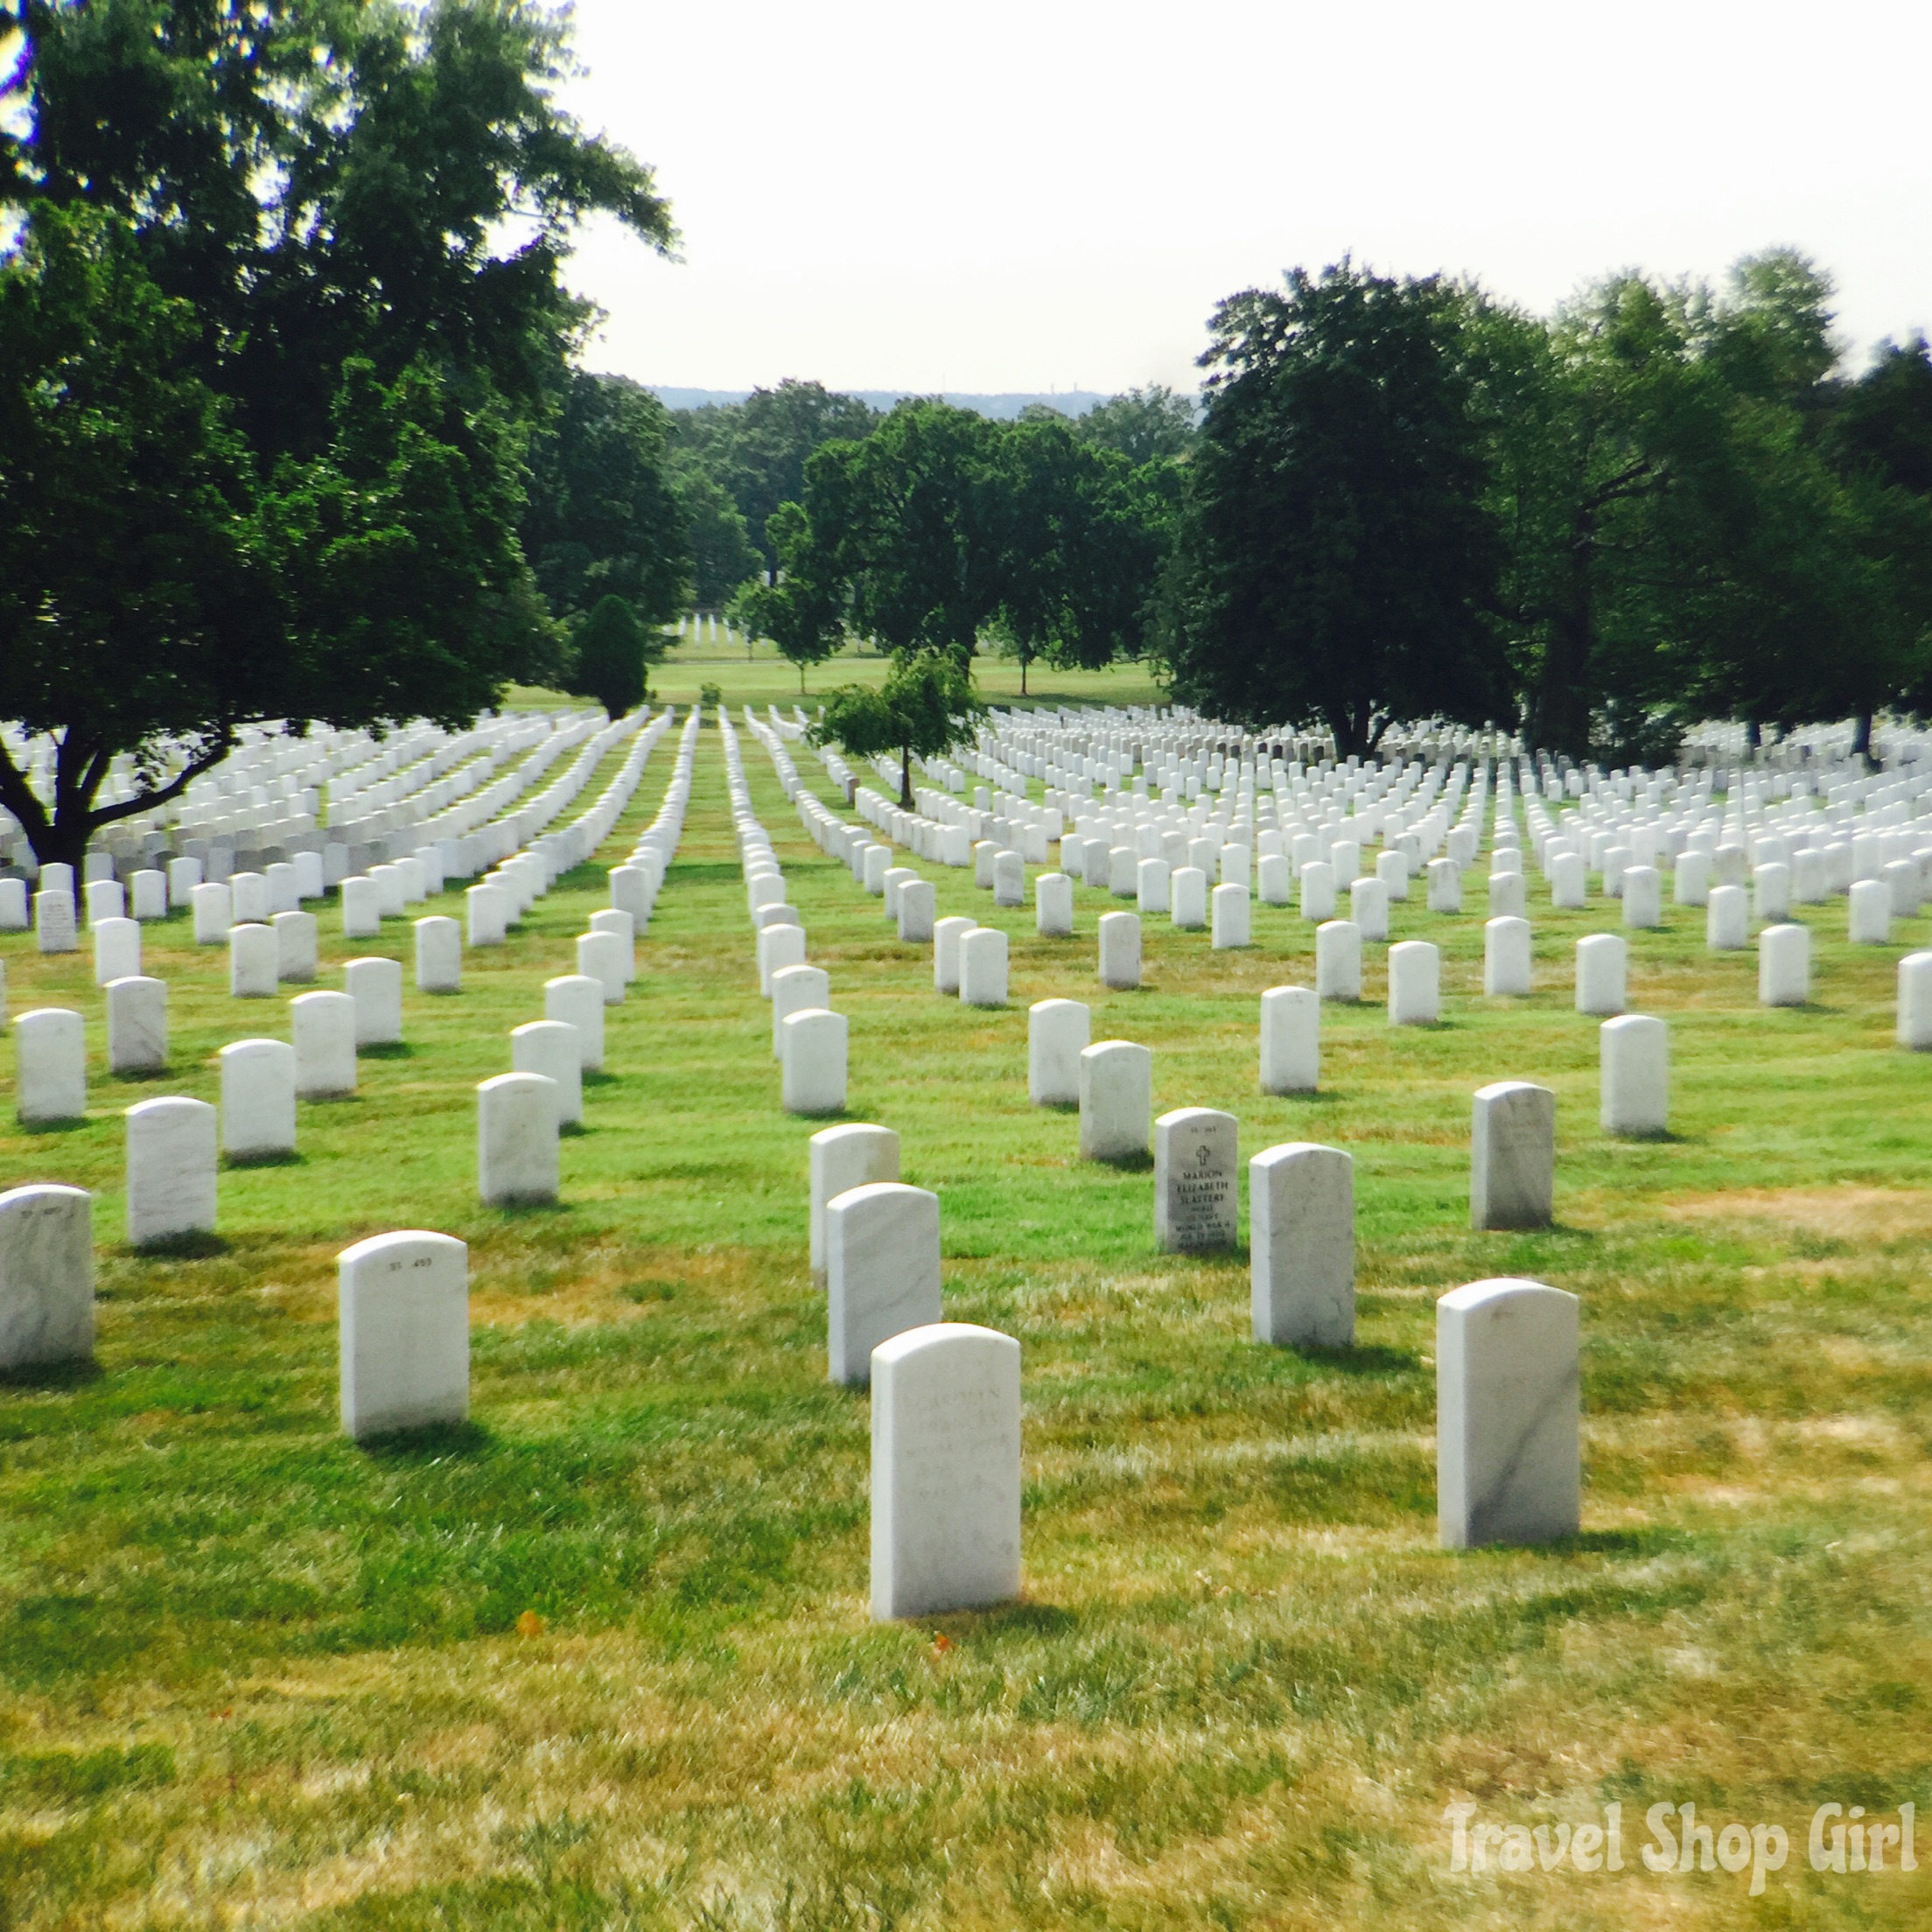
<point>926,706</point>
<point>613,650</point>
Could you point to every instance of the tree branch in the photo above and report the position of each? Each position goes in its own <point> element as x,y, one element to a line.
<point>20,798</point>
<point>165,794</point>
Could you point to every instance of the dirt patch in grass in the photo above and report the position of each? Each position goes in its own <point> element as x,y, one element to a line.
<point>1836,1214</point>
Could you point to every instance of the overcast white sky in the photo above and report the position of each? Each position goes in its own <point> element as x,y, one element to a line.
<point>1033,194</point>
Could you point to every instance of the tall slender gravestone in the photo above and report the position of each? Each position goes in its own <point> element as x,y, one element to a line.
<point>550,1047</point>
<point>50,1065</point>
<point>577,1000</point>
<point>324,1045</point>
<point>1291,1040</point>
<point>517,1153</point>
<point>137,1025</point>
<point>375,985</point>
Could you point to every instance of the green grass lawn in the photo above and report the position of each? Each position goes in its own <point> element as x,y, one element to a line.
<point>252,1675</point>
<point>766,678</point>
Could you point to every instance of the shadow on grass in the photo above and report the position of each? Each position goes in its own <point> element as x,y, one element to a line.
<point>387,1049</point>
<point>37,1127</point>
<point>531,1209</point>
<point>1022,1617</point>
<point>138,1077</point>
<point>1661,1137</point>
<point>597,1077</point>
<point>199,1246</point>
<point>438,1442</point>
<point>50,1377</point>
<point>1141,1162</point>
<point>284,1158</point>
<point>1652,1540</point>
<point>1374,1360</point>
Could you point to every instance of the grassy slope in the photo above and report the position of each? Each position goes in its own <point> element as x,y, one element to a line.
<point>249,1674</point>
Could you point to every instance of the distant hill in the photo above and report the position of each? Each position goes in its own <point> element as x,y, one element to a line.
<point>1067,402</point>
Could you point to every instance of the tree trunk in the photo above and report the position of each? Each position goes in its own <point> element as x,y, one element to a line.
<point>1023,662</point>
<point>905,778</point>
<point>1861,739</point>
<point>1342,728</point>
<point>1753,734</point>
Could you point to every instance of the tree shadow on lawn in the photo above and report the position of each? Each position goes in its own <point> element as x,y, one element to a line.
<point>387,1049</point>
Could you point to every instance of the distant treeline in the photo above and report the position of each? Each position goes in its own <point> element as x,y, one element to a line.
<point>1045,533</point>
<point>1404,498</point>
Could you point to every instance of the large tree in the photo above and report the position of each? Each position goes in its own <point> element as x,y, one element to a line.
<point>756,450</point>
<point>1338,566</point>
<point>1679,543</point>
<point>335,229</point>
<point>908,528</point>
<point>605,516</point>
<point>1086,533</point>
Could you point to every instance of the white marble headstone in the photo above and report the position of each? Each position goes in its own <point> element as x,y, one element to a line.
<point>1117,1080</point>
<point>1196,1182</point>
<point>137,1025</point>
<point>46,1275</point>
<point>170,1169</point>
<point>258,1099</point>
<point>50,1065</point>
<point>403,1326</point>
<point>1513,1156</point>
<point>1058,1032</point>
<point>1301,1215</point>
<point>516,1147</point>
<point>1508,1459</point>
<point>881,1271</point>
<point>842,1157</point>
<point>946,1471</point>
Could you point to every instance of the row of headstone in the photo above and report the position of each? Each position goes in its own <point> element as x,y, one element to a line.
<point>521,1114</point>
<point>1506,1365</point>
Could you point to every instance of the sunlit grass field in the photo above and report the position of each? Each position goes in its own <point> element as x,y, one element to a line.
<point>603,1659</point>
<point>765,678</point>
